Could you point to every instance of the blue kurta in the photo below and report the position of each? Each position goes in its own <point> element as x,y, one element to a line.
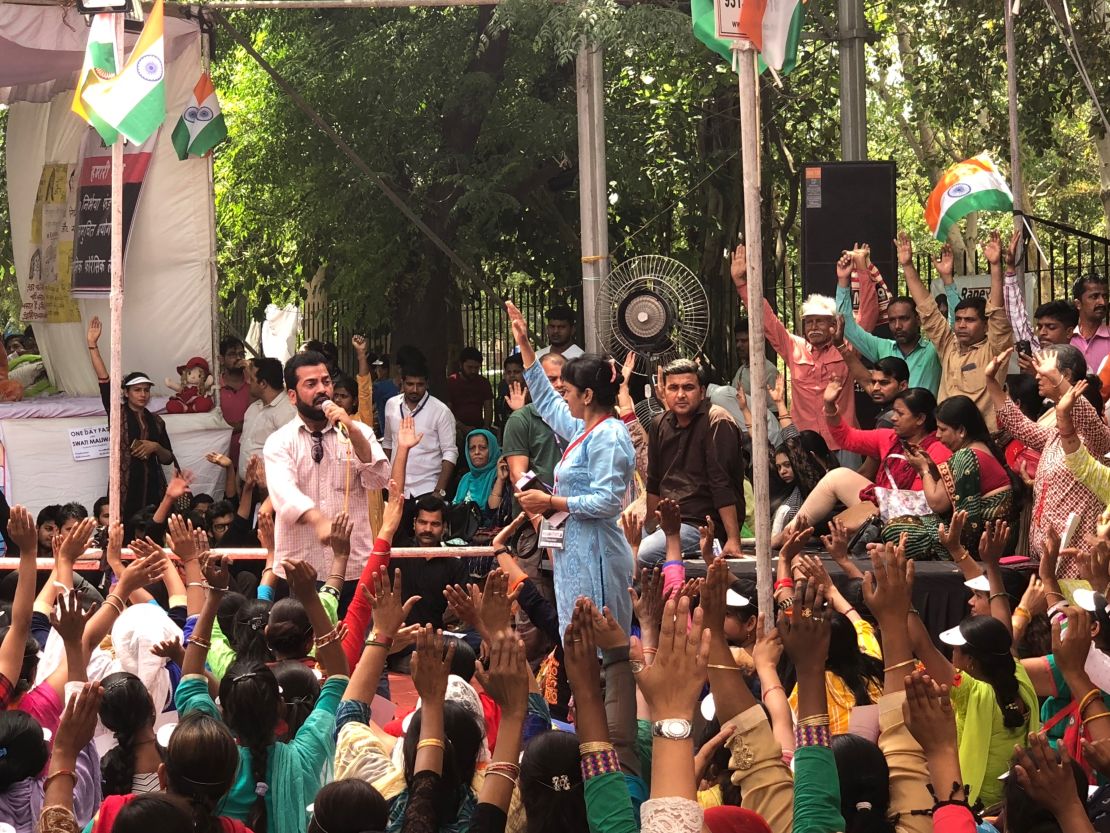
<point>596,560</point>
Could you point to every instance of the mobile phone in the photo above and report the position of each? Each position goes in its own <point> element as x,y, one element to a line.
<point>530,481</point>
<point>1024,347</point>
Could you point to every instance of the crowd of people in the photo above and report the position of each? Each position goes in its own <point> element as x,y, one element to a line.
<point>602,669</point>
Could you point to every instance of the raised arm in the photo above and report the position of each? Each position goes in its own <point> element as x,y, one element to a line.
<point>21,529</point>
<point>992,250</point>
<point>327,639</point>
<point>992,547</point>
<point>92,337</point>
<point>389,614</point>
<point>216,578</point>
<point>903,246</point>
<point>507,683</point>
<point>777,334</point>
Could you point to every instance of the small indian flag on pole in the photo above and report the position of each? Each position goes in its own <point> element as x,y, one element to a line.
<point>201,126</point>
<point>975,184</point>
<point>134,102</point>
<point>773,26</point>
<point>100,63</point>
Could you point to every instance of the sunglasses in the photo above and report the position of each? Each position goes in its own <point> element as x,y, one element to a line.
<point>317,446</point>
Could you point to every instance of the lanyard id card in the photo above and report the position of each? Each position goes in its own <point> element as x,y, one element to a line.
<point>552,531</point>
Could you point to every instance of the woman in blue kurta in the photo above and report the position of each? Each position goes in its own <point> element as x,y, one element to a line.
<point>591,480</point>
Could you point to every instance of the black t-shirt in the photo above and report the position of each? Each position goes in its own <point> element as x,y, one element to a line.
<point>426,577</point>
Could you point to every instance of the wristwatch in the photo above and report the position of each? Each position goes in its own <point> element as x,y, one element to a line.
<point>440,493</point>
<point>673,729</point>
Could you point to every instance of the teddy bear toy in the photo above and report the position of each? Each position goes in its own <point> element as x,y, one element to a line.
<point>192,393</point>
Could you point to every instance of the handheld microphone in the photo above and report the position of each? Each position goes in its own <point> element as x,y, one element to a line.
<point>339,426</point>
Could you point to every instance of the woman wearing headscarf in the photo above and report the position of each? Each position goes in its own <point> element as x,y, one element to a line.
<point>486,481</point>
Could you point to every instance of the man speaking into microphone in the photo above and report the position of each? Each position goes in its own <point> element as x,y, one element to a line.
<point>318,465</point>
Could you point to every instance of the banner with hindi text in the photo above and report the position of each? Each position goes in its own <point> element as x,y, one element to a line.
<point>47,298</point>
<point>92,234</point>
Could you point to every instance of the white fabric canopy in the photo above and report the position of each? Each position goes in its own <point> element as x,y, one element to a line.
<point>168,294</point>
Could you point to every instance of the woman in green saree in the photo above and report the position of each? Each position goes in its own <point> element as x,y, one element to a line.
<point>975,479</point>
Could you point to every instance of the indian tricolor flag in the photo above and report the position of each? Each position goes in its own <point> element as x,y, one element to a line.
<point>100,63</point>
<point>134,102</point>
<point>201,126</point>
<point>975,184</point>
<point>773,26</point>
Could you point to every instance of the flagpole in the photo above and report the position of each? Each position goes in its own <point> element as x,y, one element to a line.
<point>744,56</point>
<point>1017,184</point>
<point>115,307</point>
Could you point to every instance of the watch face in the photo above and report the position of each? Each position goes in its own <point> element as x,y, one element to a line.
<point>674,729</point>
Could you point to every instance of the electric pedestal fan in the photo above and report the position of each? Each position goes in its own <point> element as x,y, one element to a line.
<point>656,308</point>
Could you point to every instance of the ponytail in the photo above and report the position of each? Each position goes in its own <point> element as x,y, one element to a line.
<point>125,710</point>
<point>250,696</point>
<point>988,642</point>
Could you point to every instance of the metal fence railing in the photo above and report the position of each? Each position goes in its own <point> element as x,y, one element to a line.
<point>1058,257</point>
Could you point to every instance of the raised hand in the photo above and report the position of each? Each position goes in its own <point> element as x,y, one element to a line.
<point>844,266</point>
<point>714,595</point>
<point>407,437</point>
<point>501,539</point>
<point>1046,775</point>
<point>78,721</point>
<point>170,649</point>
<point>706,535</point>
<point>805,628</point>
<point>431,664</point>
<point>1033,599</point>
<point>836,542</point>
<point>508,676</point>
<point>739,266</point>
<point>142,572</point>
<point>518,324</point>
<point>928,714</point>
<point>1010,255</point>
<point>945,261</point>
<point>992,249</point>
<point>1071,646</point>
<point>217,572</point>
<point>768,648</point>
<point>632,525</point>
<point>794,539</point>
<point>648,603</point>
<point>182,539</point>
<point>359,343</point>
<point>266,531</point>
<point>341,528</point>
<point>861,257</point>
<point>607,633</point>
<point>998,362</point>
<point>992,543</point>
<point>888,585</point>
<point>672,683</point>
<point>1068,400</point>
<point>668,514</point>
<point>1098,558</point>
<point>68,619</point>
<point>465,602</point>
<point>22,530</point>
<point>832,392</point>
<point>390,612</point>
<point>813,569</point>
<point>217,459</point>
<point>580,652</point>
<point>301,577</point>
<point>903,246</point>
<point>74,542</point>
<point>92,335</point>
<point>497,603</point>
<point>518,396</point>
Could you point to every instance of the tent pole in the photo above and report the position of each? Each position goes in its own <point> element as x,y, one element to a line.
<point>753,240</point>
<point>115,306</point>
<point>1017,184</point>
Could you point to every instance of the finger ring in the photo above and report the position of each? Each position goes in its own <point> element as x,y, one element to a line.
<point>636,666</point>
<point>818,618</point>
<point>576,640</point>
<point>807,613</point>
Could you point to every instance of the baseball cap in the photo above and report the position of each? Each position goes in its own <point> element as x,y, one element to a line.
<point>137,378</point>
<point>953,636</point>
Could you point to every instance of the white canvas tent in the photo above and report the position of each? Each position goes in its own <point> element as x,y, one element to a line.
<point>169,280</point>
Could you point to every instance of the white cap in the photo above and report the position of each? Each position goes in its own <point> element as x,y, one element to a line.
<point>138,380</point>
<point>953,636</point>
<point>819,305</point>
<point>980,582</point>
<point>1084,598</point>
<point>734,599</point>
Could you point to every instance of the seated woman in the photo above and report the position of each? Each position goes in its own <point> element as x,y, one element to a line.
<point>486,482</point>
<point>974,479</point>
<point>804,456</point>
<point>914,427</point>
<point>992,695</point>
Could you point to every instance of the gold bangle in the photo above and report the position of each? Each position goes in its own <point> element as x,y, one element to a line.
<point>965,557</point>
<point>898,665</point>
<point>1096,717</point>
<point>994,596</point>
<point>200,643</point>
<point>815,720</point>
<point>1021,611</point>
<point>594,746</point>
<point>426,742</point>
<point>108,601</point>
<point>724,667</point>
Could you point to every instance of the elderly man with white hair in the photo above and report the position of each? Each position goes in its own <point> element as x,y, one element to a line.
<point>812,361</point>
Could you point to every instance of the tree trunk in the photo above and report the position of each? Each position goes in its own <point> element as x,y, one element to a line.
<point>1102,146</point>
